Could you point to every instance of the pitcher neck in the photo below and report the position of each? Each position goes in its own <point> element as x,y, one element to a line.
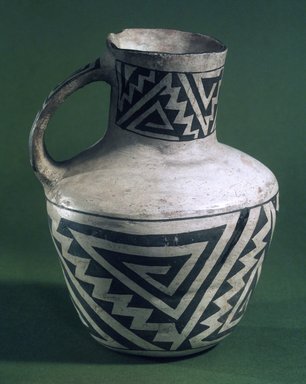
<point>170,96</point>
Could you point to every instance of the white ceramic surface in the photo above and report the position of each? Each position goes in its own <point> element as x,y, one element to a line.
<point>161,230</point>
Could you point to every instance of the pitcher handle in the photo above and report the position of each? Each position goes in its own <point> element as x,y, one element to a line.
<point>48,170</point>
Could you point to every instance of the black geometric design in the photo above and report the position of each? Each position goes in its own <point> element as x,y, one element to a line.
<point>138,291</point>
<point>173,106</point>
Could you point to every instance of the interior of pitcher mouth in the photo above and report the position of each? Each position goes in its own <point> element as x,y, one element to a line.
<point>164,41</point>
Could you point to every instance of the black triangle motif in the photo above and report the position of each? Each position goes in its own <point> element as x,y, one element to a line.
<point>164,274</point>
<point>160,275</point>
<point>153,119</point>
<point>154,289</point>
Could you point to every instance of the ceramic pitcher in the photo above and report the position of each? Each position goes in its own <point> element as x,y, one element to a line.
<point>160,229</point>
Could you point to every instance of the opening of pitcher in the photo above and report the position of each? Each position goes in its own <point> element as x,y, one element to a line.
<point>165,41</point>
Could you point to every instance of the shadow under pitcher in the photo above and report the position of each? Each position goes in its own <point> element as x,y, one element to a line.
<point>161,230</point>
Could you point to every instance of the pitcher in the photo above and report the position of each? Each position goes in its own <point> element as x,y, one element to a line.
<point>160,229</point>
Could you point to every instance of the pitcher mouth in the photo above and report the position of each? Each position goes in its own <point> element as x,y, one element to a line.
<point>164,41</point>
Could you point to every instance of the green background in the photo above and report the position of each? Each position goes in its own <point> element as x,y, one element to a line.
<point>261,112</point>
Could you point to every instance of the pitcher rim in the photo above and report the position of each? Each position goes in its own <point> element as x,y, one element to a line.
<point>220,48</point>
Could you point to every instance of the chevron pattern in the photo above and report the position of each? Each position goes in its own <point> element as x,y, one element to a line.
<point>167,105</point>
<point>168,292</point>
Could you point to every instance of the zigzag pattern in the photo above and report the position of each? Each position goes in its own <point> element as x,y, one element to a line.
<point>237,282</point>
<point>101,289</point>
<point>81,267</point>
<point>180,106</point>
<point>121,315</point>
<point>188,101</point>
<point>129,87</point>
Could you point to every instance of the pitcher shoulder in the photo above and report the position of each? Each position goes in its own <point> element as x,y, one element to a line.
<point>223,180</point>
